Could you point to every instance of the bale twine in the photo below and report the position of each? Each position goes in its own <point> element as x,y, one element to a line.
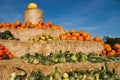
<point>33,15</point>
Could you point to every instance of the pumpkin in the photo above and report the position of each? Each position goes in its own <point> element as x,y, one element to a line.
<point>32,6</point>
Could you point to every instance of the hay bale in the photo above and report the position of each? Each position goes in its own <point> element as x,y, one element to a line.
<point>9,66</point>
<point>19,48</point>
<point>25,34</point>
<point>33,15</point>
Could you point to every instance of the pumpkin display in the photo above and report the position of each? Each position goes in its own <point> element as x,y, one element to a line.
<point>46,51</point>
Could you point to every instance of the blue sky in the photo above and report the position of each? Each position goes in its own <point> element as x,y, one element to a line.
<point>98,17</point>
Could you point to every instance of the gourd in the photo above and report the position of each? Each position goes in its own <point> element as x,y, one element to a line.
<point>32,6</point>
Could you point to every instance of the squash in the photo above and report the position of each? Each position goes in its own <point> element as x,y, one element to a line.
<point>32,6</point>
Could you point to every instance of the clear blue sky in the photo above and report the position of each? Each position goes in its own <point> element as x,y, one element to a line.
<point>98,17</point>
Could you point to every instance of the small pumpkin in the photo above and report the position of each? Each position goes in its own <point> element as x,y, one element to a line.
<point>32,6</point>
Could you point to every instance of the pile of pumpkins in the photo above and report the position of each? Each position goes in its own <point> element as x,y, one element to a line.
<point>40,25</point>
<point>85,36</point>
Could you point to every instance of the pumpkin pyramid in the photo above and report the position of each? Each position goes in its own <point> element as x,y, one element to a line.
<point>42,51</point>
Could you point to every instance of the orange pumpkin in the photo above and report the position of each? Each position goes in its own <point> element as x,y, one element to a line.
<point>17,23</point>
<point>97,39</point>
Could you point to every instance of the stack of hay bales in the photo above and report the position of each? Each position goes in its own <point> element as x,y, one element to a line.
<point>20,48</point>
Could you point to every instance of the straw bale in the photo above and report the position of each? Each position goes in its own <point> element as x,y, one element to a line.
<point>25,34</point>
<point>9,66</point>
<point>33,15</point>
<point>19,48</point>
